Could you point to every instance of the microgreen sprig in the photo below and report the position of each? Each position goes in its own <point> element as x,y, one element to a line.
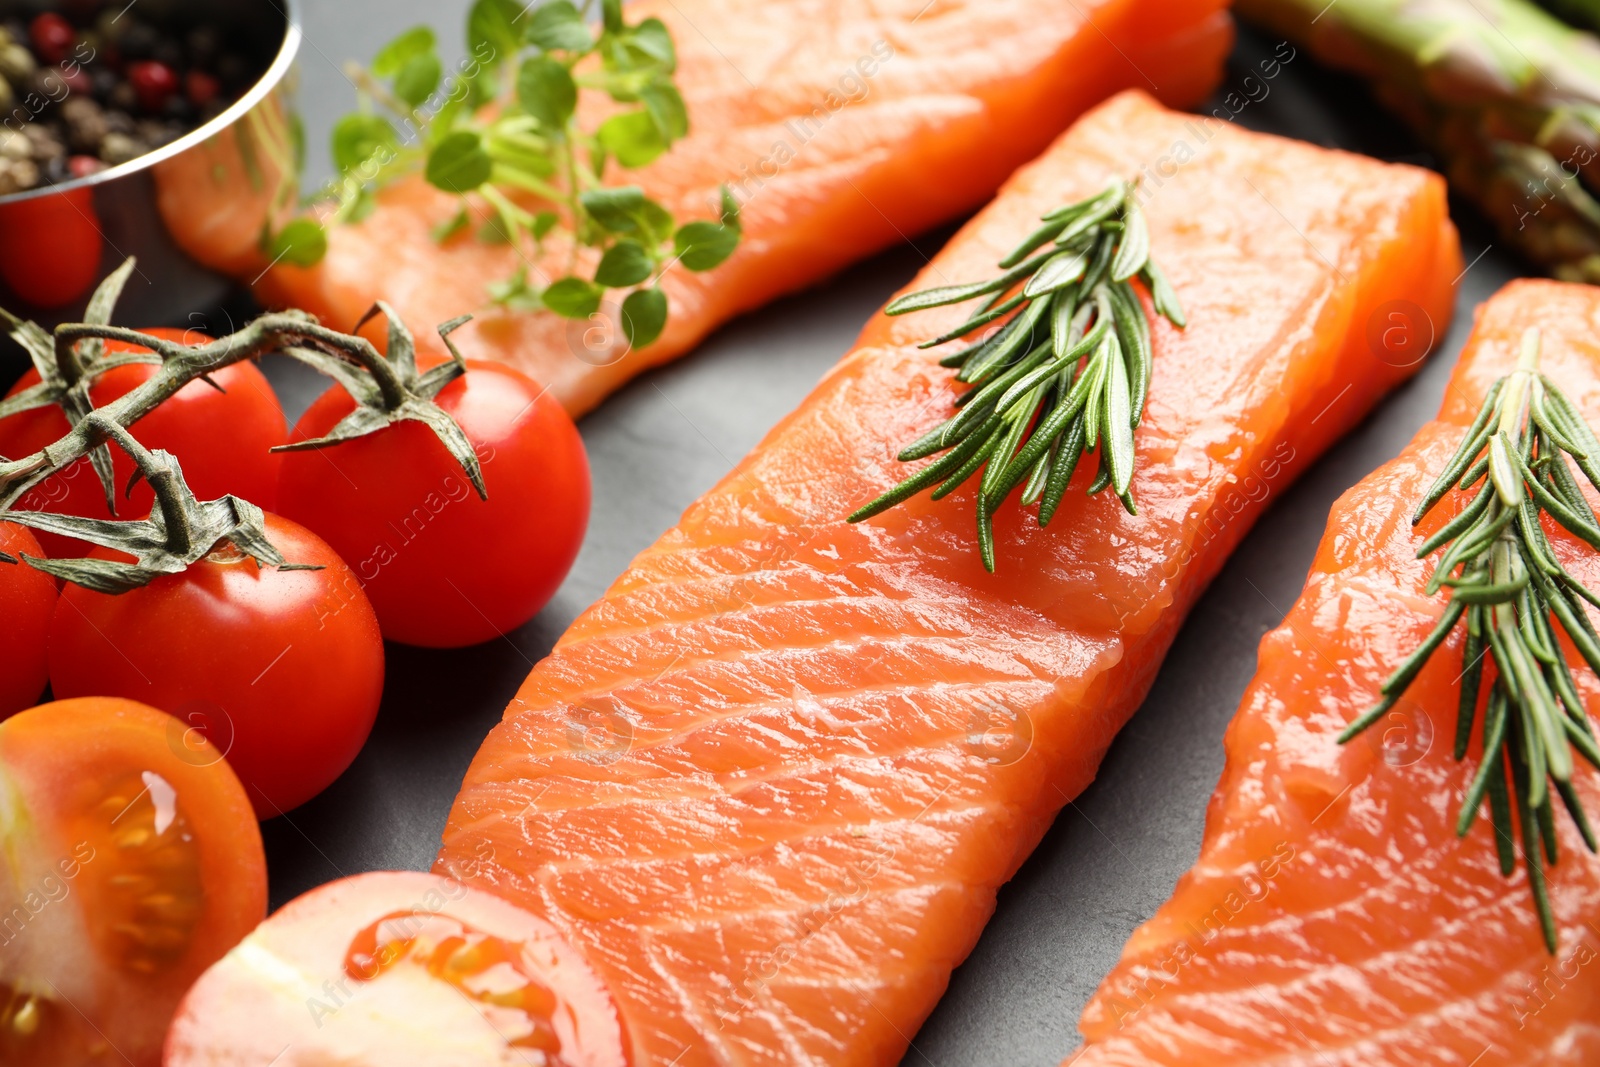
<point>526,160</point>
<point>1514,595</point>
<point>1066,375</point>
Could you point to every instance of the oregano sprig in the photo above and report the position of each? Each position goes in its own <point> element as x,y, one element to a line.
<point>1066,375</point>
<point>525,161</point>
<point>1515,597</point>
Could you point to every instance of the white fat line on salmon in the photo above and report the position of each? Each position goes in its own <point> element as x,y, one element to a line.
<point>1543,989</point>
<point>1255,487</point>
<point>53,888</point>
<point>1164,167</point>
<point>858,877</point>
<point>1252,889</point>
<point>851,87</point>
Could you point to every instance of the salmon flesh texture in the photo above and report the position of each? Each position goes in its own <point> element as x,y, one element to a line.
<point>1333,916</point>
<point>772,780</point>
<point>841,127</point>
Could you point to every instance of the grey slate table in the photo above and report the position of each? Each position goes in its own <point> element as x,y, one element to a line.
<point>1113,855</point>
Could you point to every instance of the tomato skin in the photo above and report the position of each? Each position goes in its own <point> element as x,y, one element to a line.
<point>222,441</point>
<point>27,600</point>
<point>282,670</point>
<point>405,1014</point>
<point>50,247</point>
<point>444,568</point>
<point>118,816</point>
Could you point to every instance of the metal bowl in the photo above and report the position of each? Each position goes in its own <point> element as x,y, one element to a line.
<point>193,210</point>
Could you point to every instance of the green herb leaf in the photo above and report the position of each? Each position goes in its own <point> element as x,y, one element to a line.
<point>615,209</point>
<point>416,42</point>
<point>459,164</point>
<point>356,138</point>
<point>559,26</point>
<point>494,231</point>
<point>704,245</point>
<point>632,137</point>
<point>644,316</point>
<point>418,79</point>
<point>652,39</point>
<point>302,242</point>
<point>730,209</point>
<point>624,263</point>
<point>611,15</point>
<point>572,297</point>
<point>515,293</point>
<point>546,91</point>
<point>492,26</point>
<point>452,226</point>
<point>667,111</point>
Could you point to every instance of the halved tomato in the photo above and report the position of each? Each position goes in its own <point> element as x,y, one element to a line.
<point>130,861</point>
<point>400,969</point>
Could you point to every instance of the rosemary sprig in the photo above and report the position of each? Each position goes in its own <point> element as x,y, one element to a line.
<point>1514,594</point>
<point>1067,374</point>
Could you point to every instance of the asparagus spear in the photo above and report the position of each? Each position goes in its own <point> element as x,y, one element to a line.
<point>1585,13</point>
<point>1507,95</point>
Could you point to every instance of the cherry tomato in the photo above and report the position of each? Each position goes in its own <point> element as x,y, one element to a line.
<point>400,970</point>
<point>50,247</point>
<point>444,568</point>
<point>27,598</point>
<point>222,441</point>
<point>132,862</point>
<point>281,669</point>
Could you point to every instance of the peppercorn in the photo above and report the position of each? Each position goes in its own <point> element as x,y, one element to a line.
<point>17,64</point>
<point>154,82</point>
<point>120,148</point>
<point>52,36</point>
<point>201,88</point>
<point>85,122</point>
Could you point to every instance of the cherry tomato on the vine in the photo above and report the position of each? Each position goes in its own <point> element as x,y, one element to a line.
<point>280,669</point>
<point>27,599</point>
<point>444,568</point>
<point>222,439</point>
<point>396,969</point>
<point>130,862</point>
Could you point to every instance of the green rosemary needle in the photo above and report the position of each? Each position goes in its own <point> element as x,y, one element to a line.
<point>1067,374</point>
<point>1514,594</point>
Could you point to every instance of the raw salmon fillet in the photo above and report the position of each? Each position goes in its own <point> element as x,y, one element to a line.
<point>1333,917</point>
<point>772,780</point>
<point>843,127</point>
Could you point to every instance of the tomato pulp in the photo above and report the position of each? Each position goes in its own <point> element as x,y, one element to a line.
<point>281,669</point>
<point>130,861</point>
<point>444,568</point>
<point>222,441</point>
<point>400,969</point>
<point>27,599</point>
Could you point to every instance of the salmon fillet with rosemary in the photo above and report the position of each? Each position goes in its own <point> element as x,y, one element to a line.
<point>841,127</point>
<point>772,780</point>
<point>1333,917</point>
